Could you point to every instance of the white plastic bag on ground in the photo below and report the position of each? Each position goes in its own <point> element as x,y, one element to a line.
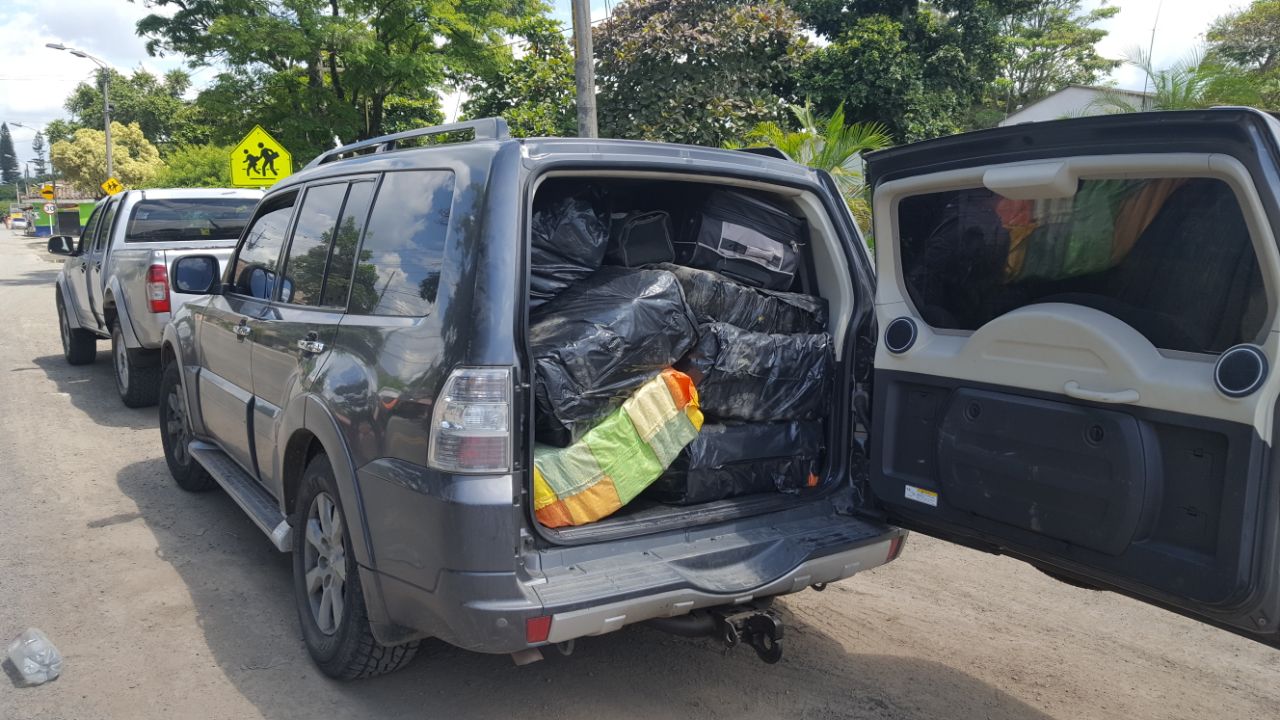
<point>35,657</point>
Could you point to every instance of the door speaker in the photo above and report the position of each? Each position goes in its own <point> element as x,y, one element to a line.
<point>1240,371</point>
<point>900,335</point>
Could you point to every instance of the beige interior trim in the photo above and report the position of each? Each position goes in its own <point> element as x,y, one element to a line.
<point>1051,347</point>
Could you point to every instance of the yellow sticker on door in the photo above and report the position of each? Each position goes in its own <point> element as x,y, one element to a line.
<point>928,497</point>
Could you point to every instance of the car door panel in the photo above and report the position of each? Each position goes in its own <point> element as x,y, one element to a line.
<point>97,257</point>
<point>1070,417</point>
<point>77,270</point>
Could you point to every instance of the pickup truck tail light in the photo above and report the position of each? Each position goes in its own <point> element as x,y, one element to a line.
<point>158,288</point>
<point>471,422</point>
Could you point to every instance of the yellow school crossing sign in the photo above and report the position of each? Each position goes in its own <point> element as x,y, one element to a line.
<point>259,161</point>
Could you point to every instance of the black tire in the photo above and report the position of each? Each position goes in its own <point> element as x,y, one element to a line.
<point>138,385</point>
<point>175,433</point>
<point>79,346</point>
<point>347,649</point>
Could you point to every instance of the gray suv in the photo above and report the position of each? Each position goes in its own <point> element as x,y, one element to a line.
<point>1051,365</point>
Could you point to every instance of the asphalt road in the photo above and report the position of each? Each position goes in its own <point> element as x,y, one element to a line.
<point>170,605</point>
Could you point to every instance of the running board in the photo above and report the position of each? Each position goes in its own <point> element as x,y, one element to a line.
<point>256,502</point>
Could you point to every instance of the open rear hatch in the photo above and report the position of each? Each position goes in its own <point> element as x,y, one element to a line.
<point>1079,325</point>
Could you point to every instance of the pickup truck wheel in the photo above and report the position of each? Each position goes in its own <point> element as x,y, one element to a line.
<point>175,434</point>
<point>79,346</point>
<point>138,385</point>
<point>326,585</point>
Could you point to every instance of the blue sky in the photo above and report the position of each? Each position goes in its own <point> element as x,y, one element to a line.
<point>34,80</point>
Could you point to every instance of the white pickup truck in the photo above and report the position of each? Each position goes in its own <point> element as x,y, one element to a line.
<point>115,281</point>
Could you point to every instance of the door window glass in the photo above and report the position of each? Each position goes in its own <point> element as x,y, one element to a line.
<point>90,228</point>
<point>347,238</point>
<point>303,271</point>
<point>103,236</point>
<point>399,264</point>
<point>1171,257</point>
<point>255,266</point>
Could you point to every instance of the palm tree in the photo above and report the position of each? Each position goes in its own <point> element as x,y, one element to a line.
<point>1190,83</point>
<point>828,144</point>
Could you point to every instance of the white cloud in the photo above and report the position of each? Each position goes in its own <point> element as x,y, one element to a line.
<point>35,80</point>
<point>1180,30</point>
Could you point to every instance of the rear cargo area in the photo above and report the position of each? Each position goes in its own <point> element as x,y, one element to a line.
<point>683,338</point>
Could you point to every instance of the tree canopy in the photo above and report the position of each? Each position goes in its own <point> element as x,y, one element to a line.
<point>82,161</point>
<point>9,170</point>
<point>695,71</point>
<point>156,104</point>
<point>1249,41</point>
<point>532,89</point>
<point>1051,45</point>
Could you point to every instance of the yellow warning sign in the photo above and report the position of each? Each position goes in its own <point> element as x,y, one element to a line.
<point>112,186</point>
<point>259,161</point>
<point>46,192</point>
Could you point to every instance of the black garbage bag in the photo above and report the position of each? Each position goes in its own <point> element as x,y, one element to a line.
<point>732,460</point>
<point>601,339</point>
<point>570,236</point>
<point>716,298</point>
<point>760,377</point>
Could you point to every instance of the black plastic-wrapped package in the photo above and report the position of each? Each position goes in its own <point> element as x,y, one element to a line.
<point>640,238</point>
<point>716,298</point>
<point>570,236</point>
<point>760,377</point>
<point>598,341</point>
<point>727,461</point>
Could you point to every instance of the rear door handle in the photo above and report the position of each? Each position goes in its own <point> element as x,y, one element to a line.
<point>1073,389</point>
<point>310,344</point>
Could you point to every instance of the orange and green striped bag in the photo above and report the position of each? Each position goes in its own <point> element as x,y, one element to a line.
<point>618,458</point>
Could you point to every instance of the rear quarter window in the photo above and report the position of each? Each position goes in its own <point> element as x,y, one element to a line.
<point>188,219</point>
<point>1171,257</point>
<point>398,267</point>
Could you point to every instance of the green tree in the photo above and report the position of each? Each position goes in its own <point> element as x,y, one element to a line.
<point>695,71</point>
<point>1052,45</point>
<point>1190,83</point>
<point>828,144</point>
<point>9,172</point>
<point>917,65</point>
<point>1249,41</point>
<point>38,162</point>
<point>83,159</point>
<point>308,70</point>
<point>156,104</point>
<point>533,92</point>
<point>195,166</point>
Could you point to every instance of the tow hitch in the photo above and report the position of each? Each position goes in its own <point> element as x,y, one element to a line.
<point>757,627</point>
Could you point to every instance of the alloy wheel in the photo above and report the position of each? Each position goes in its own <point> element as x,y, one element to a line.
<point>325,562</point>
<point>175,425</point>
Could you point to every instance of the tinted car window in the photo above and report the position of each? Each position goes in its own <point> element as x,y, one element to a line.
<point>1171,257</point>
<point>255,267</point>
<point>399,264</point>
<point>188,219</point>
<point>346,241</point>
<point>309,250</point>
<point>90,228</point>
<point>103,234</point>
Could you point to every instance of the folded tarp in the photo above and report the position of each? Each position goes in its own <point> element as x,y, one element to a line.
<point>761,377</point>
<point>727,461</point>
<point>716,298</point>
<point>598,341</point>
<point>619,457</point>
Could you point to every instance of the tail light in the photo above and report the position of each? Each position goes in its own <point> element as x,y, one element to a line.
<point>471,422</point>
<point>895,548</point>
<point>158,288</point>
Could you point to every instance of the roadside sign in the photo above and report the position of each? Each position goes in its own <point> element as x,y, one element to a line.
<point>259,161</point>
<point>112,186</point>
<point>46,192</point>
<point>50,208</point>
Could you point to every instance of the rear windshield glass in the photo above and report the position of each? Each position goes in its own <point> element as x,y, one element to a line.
<point>1171,257</point>
<point>189,219</point>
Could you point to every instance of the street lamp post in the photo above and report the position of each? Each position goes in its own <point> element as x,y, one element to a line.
<point>104,71</point>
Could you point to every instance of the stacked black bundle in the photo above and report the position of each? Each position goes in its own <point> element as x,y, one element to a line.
<point>727,461</point>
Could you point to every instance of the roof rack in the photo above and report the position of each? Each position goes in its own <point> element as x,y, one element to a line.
<point>493,128</point>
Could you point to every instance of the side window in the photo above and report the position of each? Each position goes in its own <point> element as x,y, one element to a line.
<point>342,258</point>
<point>398,269</point>
<point>254,272</point>
<point>102,238</point>
<point>90,228</point>
<point>1171,257</point>
<point>304,266</point>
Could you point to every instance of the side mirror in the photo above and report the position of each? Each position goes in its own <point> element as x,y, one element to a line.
<point>62,245</point>
<point>196,275</point>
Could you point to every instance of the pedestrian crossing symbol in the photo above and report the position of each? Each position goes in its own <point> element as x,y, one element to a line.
<point>259,161</point>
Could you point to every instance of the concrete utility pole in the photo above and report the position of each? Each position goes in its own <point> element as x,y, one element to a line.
<point>104,71</point>
<point>584,68</point>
